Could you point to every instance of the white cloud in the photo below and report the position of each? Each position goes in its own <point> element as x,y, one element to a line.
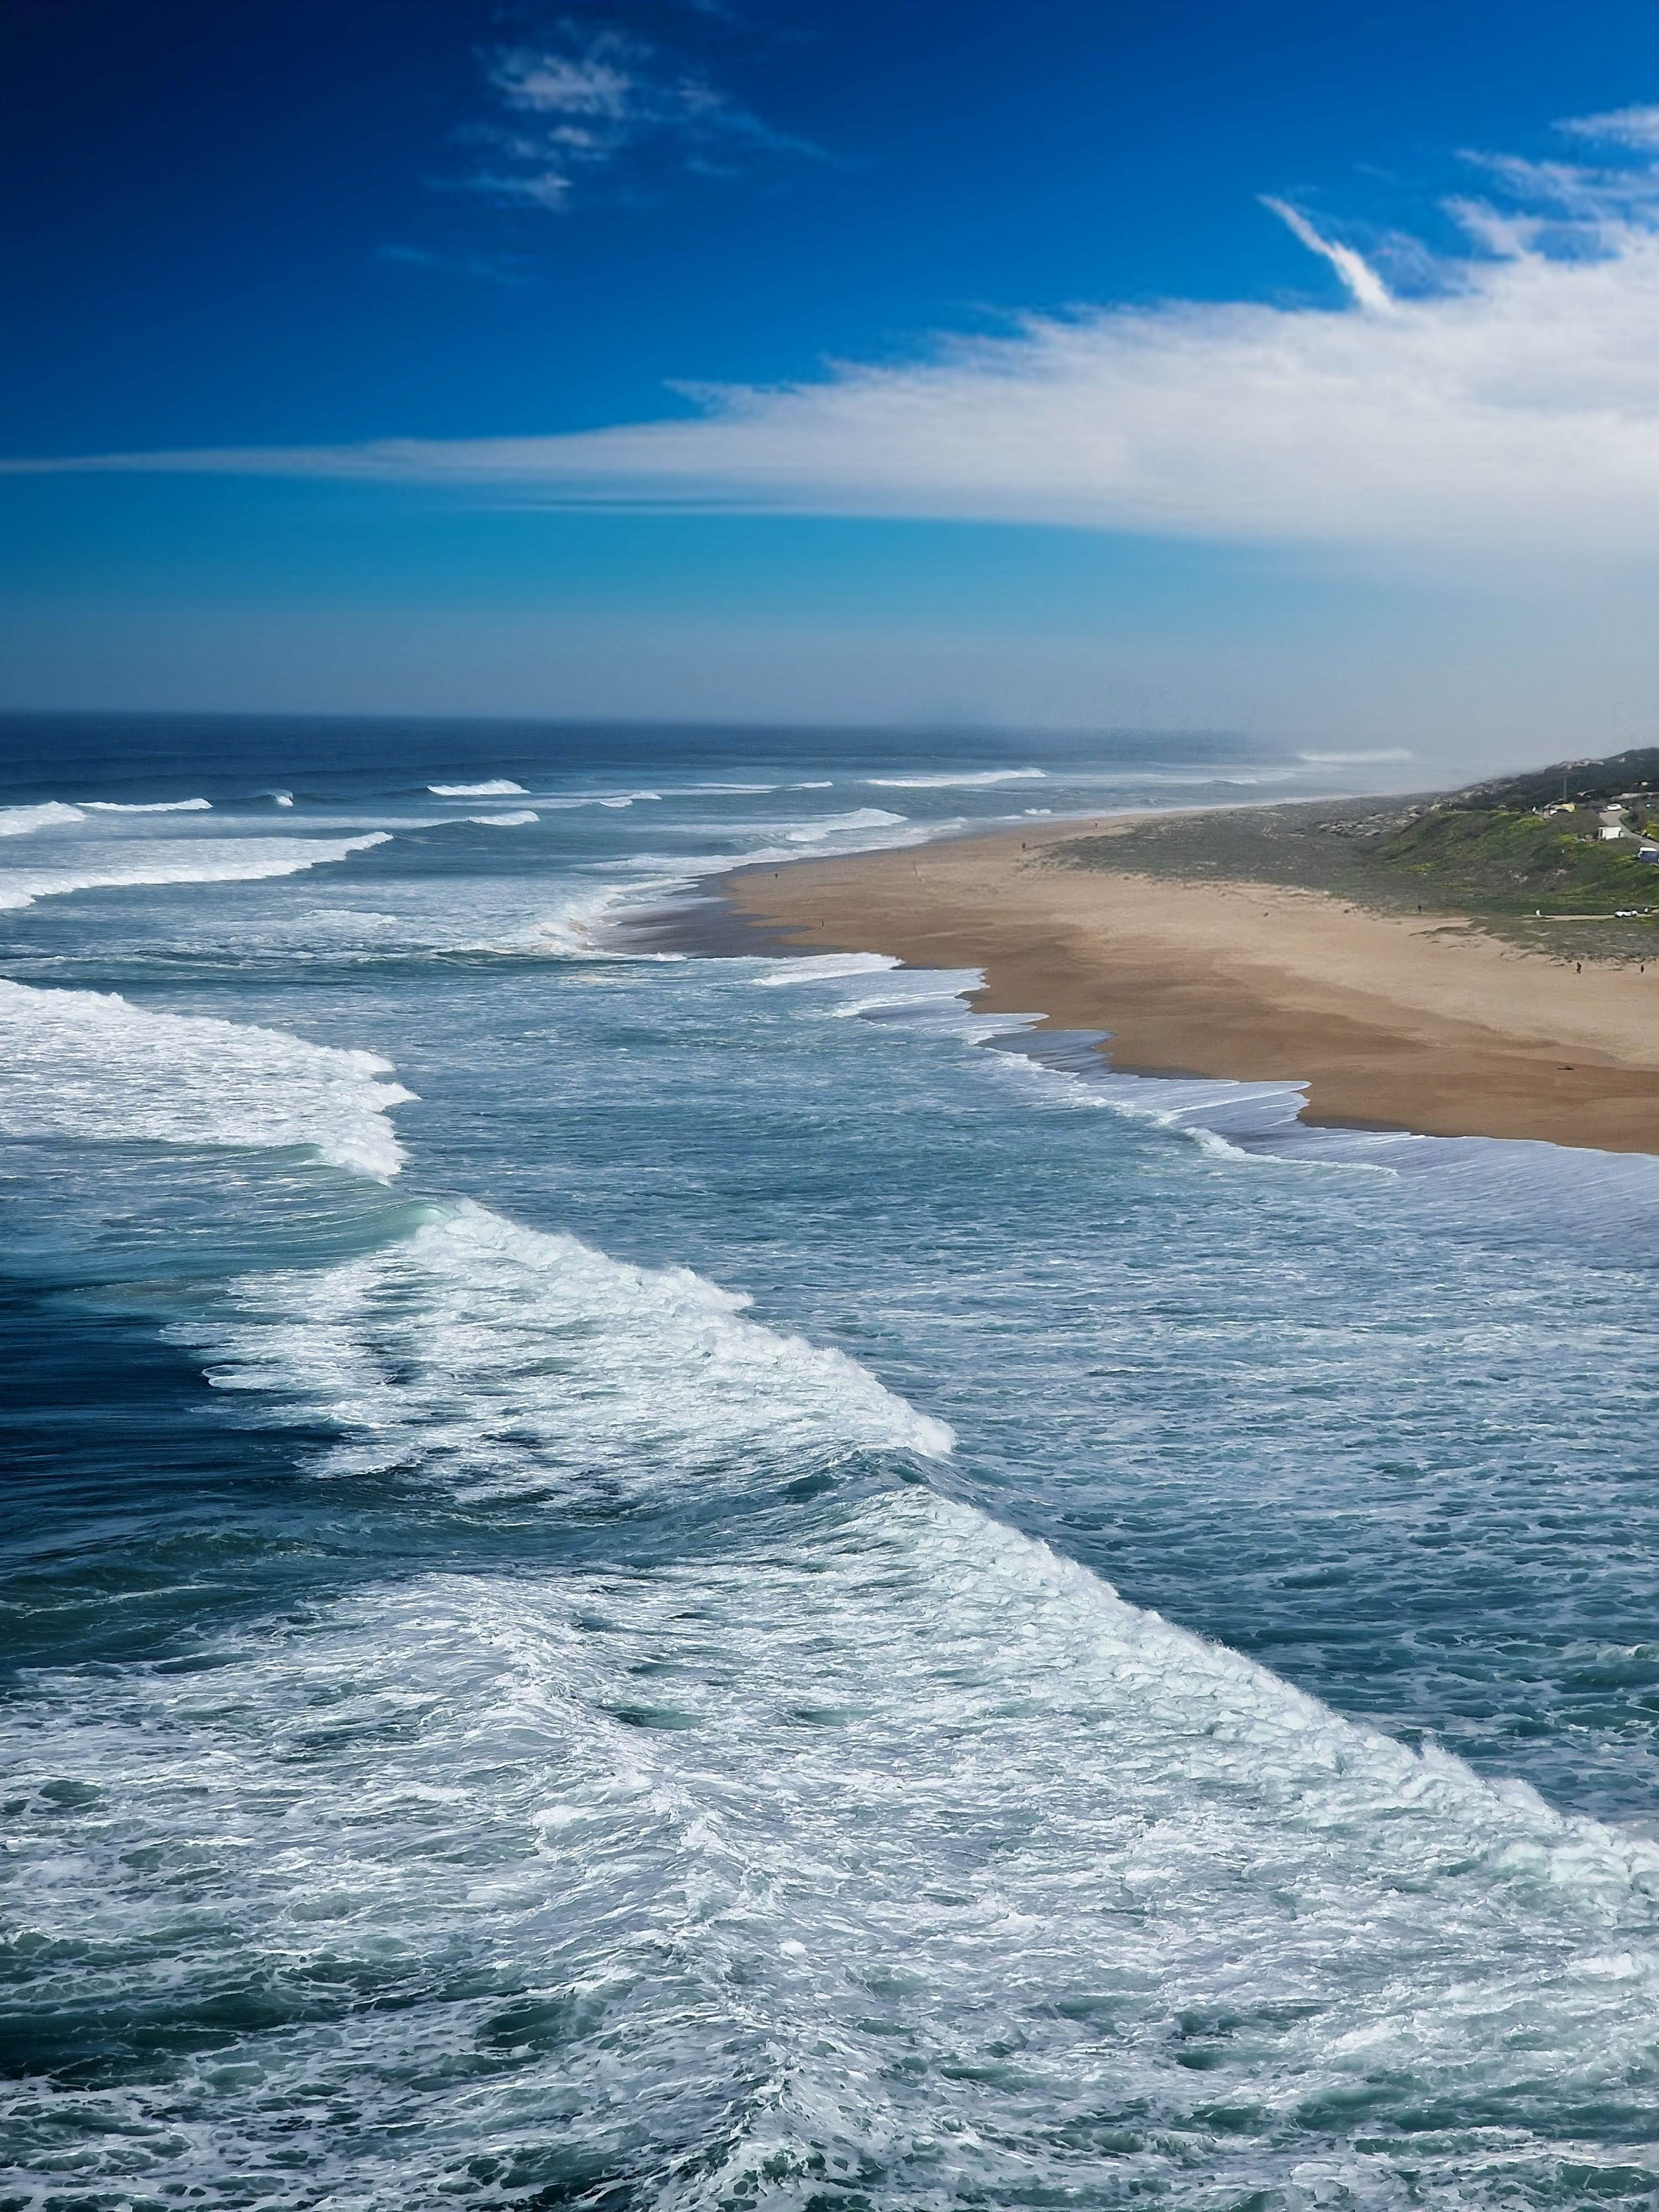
<point>1513,409</point>
<point>600,98</point>
<point>1623,126</point>
<point>1362,280</point>
<point>592,83</point>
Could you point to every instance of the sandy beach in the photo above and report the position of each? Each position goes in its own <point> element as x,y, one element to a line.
<point>1405,1020</point>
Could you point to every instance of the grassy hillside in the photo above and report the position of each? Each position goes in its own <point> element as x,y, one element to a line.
<point>1488,852</point>
<point>1497,860</point>
<point>1594,781</point>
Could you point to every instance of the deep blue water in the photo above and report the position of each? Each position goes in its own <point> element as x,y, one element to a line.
<point>695,1582</point>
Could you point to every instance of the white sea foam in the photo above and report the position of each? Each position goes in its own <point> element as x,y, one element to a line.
<point>1603,1198</point>
<point>1229,1119</point>
<point>1243,1121</point>
<point>201,860</point>
<point>877,985</point>
<point>823,968</point>
<point>51,814</point>
<point>617,801</point>
<point>282,798</point>
<point>1207,1107</point>
<point>506,821</point>
<point>1120,1901</point>
<point>580,925</point>
<point>935,1000</point>
<point>967,780</point>
<point>92,1066</point>
<point>615,798</point>
<point>838,825</point>
<point>578,920</point>
<point>495,786</point>
<point>480,1353</point>
<point>147,806</point>
<point>597,797</point>
<point>1603,1193</point>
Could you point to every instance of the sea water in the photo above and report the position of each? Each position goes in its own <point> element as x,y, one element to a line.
<point>641,1580</point>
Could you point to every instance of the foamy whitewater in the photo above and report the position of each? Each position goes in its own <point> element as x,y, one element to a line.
<point>640,1578</point>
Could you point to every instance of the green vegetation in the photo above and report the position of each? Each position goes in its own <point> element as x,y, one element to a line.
<point>1592,783</point>
<point>1490,853</point>
<point>1499,861</point>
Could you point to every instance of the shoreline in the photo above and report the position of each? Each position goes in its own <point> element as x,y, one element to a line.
<point>1419,1021</point>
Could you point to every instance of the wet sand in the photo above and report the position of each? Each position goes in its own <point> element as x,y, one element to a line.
<point>1413,1021</point>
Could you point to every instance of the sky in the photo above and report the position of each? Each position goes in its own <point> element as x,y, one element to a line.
<point>1242,364</point>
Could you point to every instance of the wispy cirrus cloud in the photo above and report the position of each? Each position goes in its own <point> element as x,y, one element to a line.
<point>1362,280</point>
<point>586,99</point>
<point>1620,126</point>
<point>1507,402</point>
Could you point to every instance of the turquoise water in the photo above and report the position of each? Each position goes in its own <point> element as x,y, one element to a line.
<point>635,1580</point>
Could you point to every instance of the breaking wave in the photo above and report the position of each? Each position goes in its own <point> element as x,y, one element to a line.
<point>500,1358</point>
<point>158,861</point>
<point>968,780</point>
<point>89,1065</point>
<point>147,806</point>
<point>51,814</point>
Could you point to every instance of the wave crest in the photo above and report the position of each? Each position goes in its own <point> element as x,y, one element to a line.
<point>510,1359</point>
<point>162,861</point>
<point>91,1067</point>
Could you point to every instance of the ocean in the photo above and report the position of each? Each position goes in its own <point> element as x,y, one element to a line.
<point>636,1579</point>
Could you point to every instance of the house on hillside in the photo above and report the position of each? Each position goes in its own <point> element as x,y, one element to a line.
<point>1581,818</point>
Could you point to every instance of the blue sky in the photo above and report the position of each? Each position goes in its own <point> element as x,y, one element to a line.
<point>1269,365</point>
